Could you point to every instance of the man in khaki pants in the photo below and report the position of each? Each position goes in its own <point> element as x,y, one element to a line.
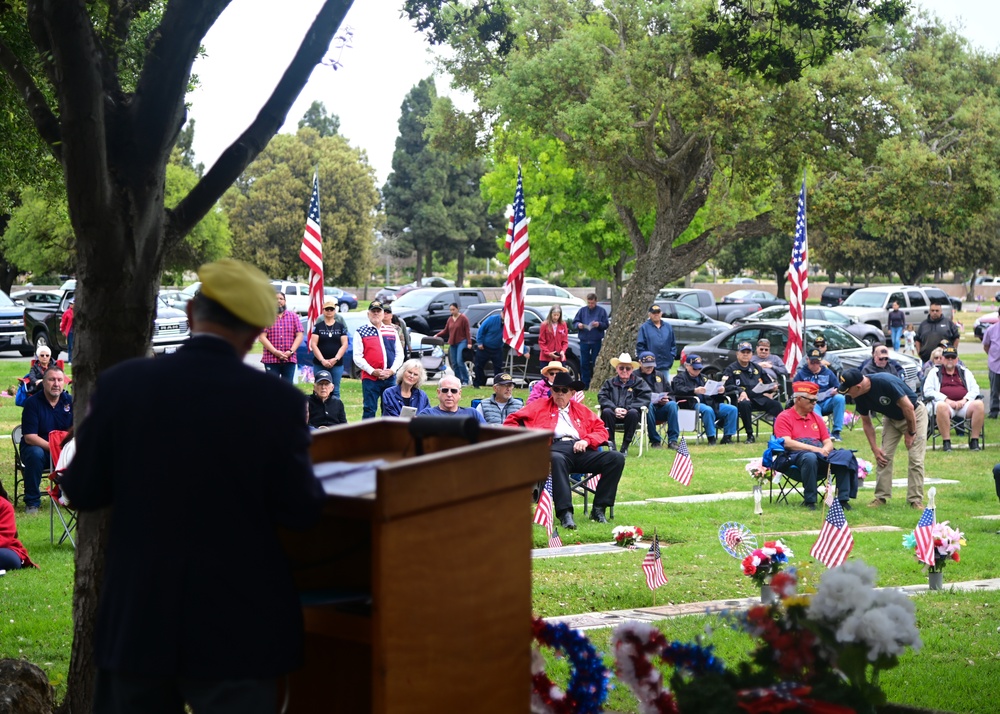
<point>904,417</point>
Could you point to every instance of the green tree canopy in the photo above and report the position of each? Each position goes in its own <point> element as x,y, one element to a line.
<point>317,117</point>
<point>267,207</point>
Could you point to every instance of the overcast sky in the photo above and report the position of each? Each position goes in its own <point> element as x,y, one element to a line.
<point>252,43</point>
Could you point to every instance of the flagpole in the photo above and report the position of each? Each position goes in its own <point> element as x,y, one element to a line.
<point>805,229</point>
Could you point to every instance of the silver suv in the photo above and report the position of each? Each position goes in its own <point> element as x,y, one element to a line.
<point>872,305</point>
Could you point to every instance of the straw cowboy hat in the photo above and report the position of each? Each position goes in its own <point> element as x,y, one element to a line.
<point>624,358</point>
<point>553,367</point>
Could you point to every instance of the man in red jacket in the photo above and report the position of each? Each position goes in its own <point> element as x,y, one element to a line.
<point>576,435</point>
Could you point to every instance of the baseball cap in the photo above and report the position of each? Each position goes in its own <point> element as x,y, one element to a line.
<point>329,303</point>
<point>815,356</point>
<point>819,341</point>
<point>744,347</point>
<point>647,359</point>
<point>656,308</point>
<point>503,378</point>
<point>695,362</point>
<point>323,376</point>
<point>950,352</point>
<point>850,378</point>
<point>375,305</point>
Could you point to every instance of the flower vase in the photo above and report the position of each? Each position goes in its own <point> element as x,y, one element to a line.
<point>935,580</point>
<point>767,595</point>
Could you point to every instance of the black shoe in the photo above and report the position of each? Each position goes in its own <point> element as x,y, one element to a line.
<point>597,514</point>
<point>946,445</point>
<point>810,506</point>
<point>712,441</point>
<point>726,439</point>
<point>567,522</point>
<point>974,445</point>
<point>993,415</point>
<point>750,439</point>
<point>846,505</point>
<point>673,445</point>
<point>656,445</point>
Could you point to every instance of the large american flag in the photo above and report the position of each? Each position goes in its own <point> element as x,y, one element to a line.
<point>652,565</point>
<point>682,468</point>
<point>835,540</point>
<point>513,289</point>
<point>543,511</point>
<point>924,534</point>
<point>798,279</point>
<point>311,253</point>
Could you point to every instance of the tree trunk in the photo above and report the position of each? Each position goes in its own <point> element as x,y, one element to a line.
<point>781,278</point>
<point>460,268</point>
<point>429,263</point>
<point>420,264</point>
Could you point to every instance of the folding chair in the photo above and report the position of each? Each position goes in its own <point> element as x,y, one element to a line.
<point>15,437</point>
<point>756,417</point>
<point>57,502</point>
<point>641,437</point>
<point>961,426</point>
<point>688,418</point>
<point>586,485</point>
<point>786,487</point>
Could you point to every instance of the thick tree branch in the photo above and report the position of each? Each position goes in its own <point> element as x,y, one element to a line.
<point>38,108</point>
<point>272,115</point>
<point>81,104</point>
<point>159,103</point>
<point>631,226</point>
<point>695,252</point>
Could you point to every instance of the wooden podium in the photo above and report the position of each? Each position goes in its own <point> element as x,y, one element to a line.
<point>417,598</point>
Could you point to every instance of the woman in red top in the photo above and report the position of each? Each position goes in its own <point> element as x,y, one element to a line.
<point>459,336</point>
<point>13,555</point>
<point>553,339</point>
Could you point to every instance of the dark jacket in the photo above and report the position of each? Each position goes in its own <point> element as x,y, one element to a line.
<point>586,316</point>
<point>744,379</point>
<point>891,367</point>
<point>196,583</point>
<point>328,413</point>
<point>392,401</point>
<point>633,394</point>
<point>683,385</point>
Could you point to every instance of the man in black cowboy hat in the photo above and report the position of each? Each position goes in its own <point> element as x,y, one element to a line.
<point>577,433</point>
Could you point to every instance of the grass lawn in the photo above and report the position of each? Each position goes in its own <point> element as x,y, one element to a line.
<point>957,667</point>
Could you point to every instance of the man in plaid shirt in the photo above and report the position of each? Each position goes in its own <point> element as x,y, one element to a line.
<point>280,341</point>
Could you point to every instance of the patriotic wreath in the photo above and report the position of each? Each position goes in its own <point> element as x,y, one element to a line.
<point>635,643</point>
<point>588,684</point>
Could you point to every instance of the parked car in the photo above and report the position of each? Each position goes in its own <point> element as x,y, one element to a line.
<point>983,323</point>
<point>872,305</point>
<point>427,349</point>
<point>550,295</point>
<point>345,300</point>
<point>426,309</point>
<point>761,297</point>
<point>36,297</point>
<point>742,281</point>
<point>720,351</point>
<point>41,326</point>
<point>704,300</point>
<point>296,295</point>
<point>177,299</point>
<point>389,294</point>
<point>834,295</point>
<point>534,315</point>
<point>869,334</point>
<point>688,323</point>
<point>12,336</point>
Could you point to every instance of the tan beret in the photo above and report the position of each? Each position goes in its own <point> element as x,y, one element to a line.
<point>240,288</point>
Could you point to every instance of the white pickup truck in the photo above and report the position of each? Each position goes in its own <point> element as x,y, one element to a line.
<point>296,295</point>
<point>872,305</point>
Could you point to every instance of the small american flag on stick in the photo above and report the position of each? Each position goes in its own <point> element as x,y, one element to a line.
<point>682,468</point>
<point>835,540</point>
<point>543,511</point>
<point>652,565</point>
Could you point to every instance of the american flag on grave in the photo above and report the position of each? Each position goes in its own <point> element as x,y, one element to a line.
<point>924,535</point>
<point>652,565</point>
<point>554,540</point>
<point>544,509</point>
<point>311,253</point>
<point>682,468</point>
<point>798,280</point>
<point>835,539</point>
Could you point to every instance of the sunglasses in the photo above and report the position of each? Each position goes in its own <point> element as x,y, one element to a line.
<point>808,399</point>
<point>624,368</point>
<point>560,390</point>
<point>449,390</point>
<point>329,309</point>
<point>951,356</point>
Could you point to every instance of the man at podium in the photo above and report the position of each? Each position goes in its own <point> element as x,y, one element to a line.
<point>577,433</point>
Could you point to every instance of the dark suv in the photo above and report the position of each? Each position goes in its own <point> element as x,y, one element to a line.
<point>534,316</point>
<point>834,295</point>
<point>426,309</point>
